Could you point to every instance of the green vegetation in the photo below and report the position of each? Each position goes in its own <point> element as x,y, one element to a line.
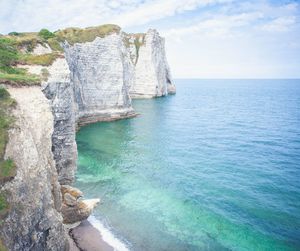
<point>138,41</point>
<point>44,59</point>
<point>4,206</point>
<point>45,74</point>
<point>9,57</point>
<point>77,35</point>
<point>14,33</point>
<point>45,34</point>
<point>2,247</point>
<point>54,44</point>
<point>7,167</point>
<point>8,53</point>
<point>25,41</point>
<point>19,79</point>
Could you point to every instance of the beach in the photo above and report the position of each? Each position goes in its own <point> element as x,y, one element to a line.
<point>87,237</point>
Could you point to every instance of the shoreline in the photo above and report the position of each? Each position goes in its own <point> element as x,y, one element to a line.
<point>86,237</point>
<point>91,235</point>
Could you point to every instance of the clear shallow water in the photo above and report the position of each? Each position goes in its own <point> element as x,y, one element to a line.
<point>215,167</point>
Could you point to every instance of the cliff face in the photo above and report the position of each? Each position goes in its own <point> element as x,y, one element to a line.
<point>33,221</point>
<point>152,72</point>
<point>60,91</point>
<point>92,81</point>
<point>100,73</point>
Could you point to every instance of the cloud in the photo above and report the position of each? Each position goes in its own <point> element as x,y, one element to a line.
<point>32,15</point>
<point>216,26</point>
<point>279,24</point>
<point>154,10</point>
<point>257,39</point>
<point>26,15</point>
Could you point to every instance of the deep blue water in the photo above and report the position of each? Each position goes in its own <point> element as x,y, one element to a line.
<point>215,167</point>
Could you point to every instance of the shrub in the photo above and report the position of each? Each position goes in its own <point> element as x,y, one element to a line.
<point>54,44</point>
<point>7,170</point>
<point>8,53</point>
<point>14,33</point>
<point>4,206</point>
<point>46,34</point>
<point>3,94</point>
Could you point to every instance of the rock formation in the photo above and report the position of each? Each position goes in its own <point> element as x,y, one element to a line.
<point>74,209</point>
<point>60,91</point>
<point>92,81</point>
<point>34,219</point>
<point>100,73</point>
<point>152,73</point>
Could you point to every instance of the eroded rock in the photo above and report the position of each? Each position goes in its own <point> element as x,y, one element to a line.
<point>74,209</point>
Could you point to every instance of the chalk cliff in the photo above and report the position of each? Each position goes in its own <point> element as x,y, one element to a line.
<point>60,91</point>
<point>152,73</point>
<point>100,74</point>
<point>34,221</point>
<point>90,81</point>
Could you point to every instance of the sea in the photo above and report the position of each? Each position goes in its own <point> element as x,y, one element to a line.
<point>214,167</point>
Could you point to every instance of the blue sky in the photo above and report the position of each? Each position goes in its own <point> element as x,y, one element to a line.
<point>204,38</point>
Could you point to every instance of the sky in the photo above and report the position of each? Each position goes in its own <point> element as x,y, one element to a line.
<point>204,38</point>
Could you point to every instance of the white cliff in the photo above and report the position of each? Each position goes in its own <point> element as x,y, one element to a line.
<point>152,72</point>
<point>34,221</point>
<point>100,73</point>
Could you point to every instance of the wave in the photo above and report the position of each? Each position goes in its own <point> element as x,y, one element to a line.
<point>107,235</point>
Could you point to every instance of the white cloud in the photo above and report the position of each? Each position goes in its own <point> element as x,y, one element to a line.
<point>29,15</point>
<point>233,43</point>
<point>154,10</point>
<point>279,24</point>
<point>216,26</point>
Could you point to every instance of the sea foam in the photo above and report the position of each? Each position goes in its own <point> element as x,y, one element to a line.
<point>107,235</point>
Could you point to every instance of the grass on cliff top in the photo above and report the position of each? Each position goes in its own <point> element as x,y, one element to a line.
<point>7,167</point>
<point>44,59</point>
<point>77,35</point>
<point>27,41</point>
<point>19,79</point>
<point>9,57</point>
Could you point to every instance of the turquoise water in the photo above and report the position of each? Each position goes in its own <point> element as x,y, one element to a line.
<point>215,167</point>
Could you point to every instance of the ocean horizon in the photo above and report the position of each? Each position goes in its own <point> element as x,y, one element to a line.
<point>214,167</point>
